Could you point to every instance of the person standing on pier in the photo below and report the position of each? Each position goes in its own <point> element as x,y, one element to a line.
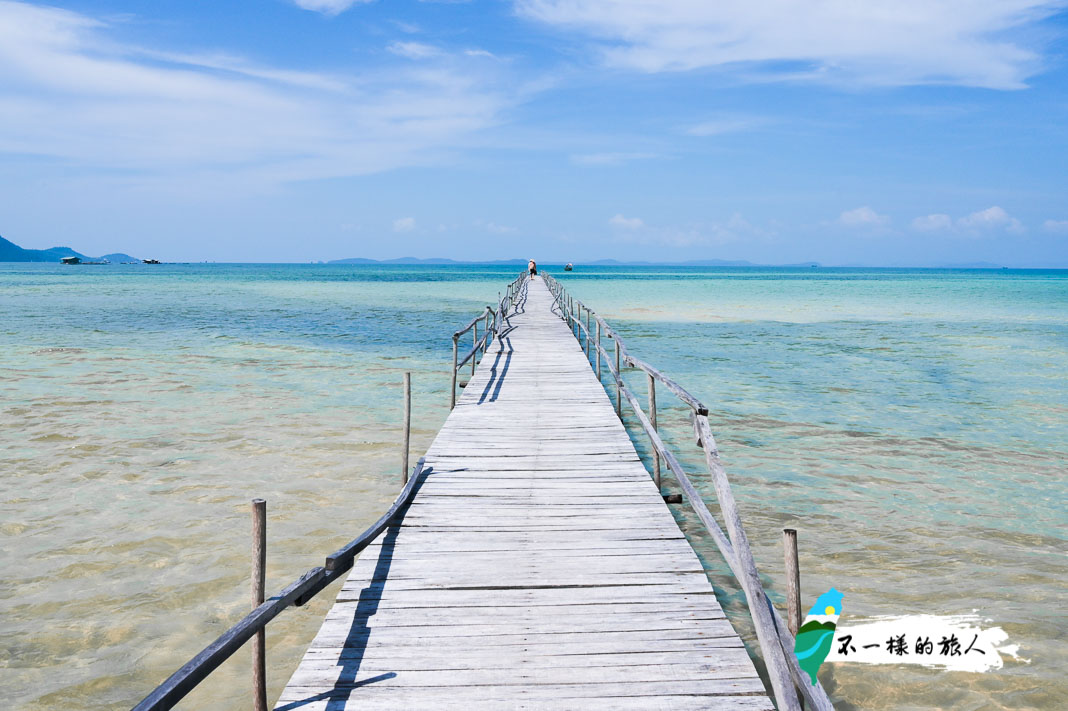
<point>533,267</point>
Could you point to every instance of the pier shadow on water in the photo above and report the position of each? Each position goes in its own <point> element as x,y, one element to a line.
<point>355,645</point>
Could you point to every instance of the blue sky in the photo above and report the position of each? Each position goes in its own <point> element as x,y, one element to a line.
<point>845,131</point>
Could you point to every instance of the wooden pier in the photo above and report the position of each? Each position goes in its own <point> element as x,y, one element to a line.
<point>530,561</point>
<point>537,566</point>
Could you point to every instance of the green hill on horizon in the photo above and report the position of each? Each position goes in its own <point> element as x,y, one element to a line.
<point>11,252</point>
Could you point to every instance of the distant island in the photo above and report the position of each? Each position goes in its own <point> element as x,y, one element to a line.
<point>596,263</point>
<point>689,263</point>
<point>11,252</point>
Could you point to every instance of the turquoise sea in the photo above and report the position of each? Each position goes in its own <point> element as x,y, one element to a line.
<point>912,424</point>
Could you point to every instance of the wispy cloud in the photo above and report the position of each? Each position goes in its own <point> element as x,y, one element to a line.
<point>404,224</point>
<point>723,125</point>
<point>735,229</point>
<point>69,92</point>
<point>328,7</point>
<point>414,50</point>
<point>863,217</point>
<point>496,228</point>
<point>989,219</point>
<point>933,223</point>
<point>609,158</point>
<point>992,219</point>
<point>964,42</point>
<point>1057,226</point>
<point>627,223</point>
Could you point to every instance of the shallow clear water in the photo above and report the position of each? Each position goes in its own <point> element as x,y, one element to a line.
<point>911,425</point>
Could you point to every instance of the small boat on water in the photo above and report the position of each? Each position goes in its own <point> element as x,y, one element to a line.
<point>150,261</point>
<point>568,267</point>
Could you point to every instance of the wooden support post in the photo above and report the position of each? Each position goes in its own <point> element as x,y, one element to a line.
<point>407,425</point>
<point>259,564</point>
<point>793,587</point>
<point>793,580</point>
<point>486,344</point>
<point>587,333</point>
<point>598,350</point>
<point>652,421</point>
<point>452,392</point>
<point>474,346</point>
<point>619,383</point>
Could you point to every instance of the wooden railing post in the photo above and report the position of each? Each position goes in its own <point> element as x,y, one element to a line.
<point>652,420</point>
<point>407,425</point>
<point>487,343</point>
<point>793,580</point>
<point>259,565</point>
<point>619,383</point>
<point>587,333</point>
<point>793,587</point>
<point>598,350</point>
<point>452,392</point>
<point>474,346</point>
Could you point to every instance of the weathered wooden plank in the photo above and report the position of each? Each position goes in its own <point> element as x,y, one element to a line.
<point>720,695</point>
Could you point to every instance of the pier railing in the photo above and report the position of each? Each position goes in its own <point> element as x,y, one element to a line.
<point>307,586</point>
<point>494,322</point>
<point>773,636</point>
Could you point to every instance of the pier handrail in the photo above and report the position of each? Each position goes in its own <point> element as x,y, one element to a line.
<point>311,583</point>
<point>307,586</point>
<point>773,636</point>
<point>493,330</point>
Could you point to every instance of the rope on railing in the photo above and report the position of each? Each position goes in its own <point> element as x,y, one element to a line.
<point>773,636</point>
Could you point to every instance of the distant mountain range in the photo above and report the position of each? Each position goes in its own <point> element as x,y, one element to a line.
<point>11,252</point>
<point>597,263</point>
<point>417,260</point>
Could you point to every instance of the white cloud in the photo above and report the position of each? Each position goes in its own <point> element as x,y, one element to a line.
<point>608,158</point>
<point>70,93</point>
<point>983,221</point>
<point>933,223</point>
<point>414,50</point>
<point>862,217</point>
<point>989,219</point>
<point>697,234</point>
<point>404,224</point>
<point>1059,226</point>
<point>500,229</point>
<point>627,223</point>
<point>328,7</point>
<point>961,42</point>
<point>724,125</point>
